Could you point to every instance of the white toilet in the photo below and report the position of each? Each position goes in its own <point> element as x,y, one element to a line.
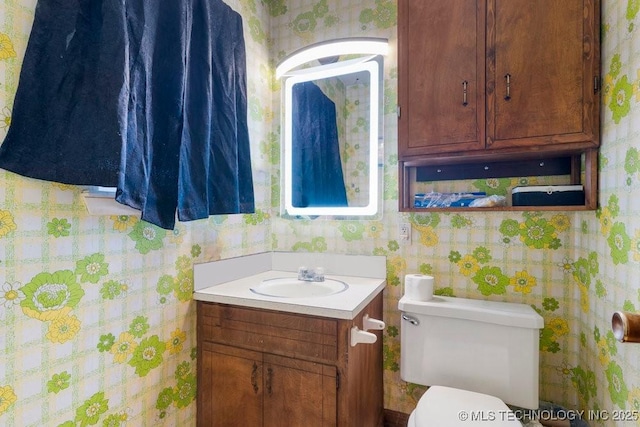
<point>475,356</point>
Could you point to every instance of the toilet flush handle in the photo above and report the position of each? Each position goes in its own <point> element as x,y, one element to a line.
<point>412,320</point>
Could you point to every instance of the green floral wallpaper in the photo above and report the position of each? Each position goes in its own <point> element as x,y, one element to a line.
<point>96,313</point>
<point>97,323</point>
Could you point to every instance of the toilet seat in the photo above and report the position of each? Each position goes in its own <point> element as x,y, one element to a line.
<point>452,407</point>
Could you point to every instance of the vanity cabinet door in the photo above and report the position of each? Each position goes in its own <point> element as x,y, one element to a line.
<point>441,85</point>
<point>230,388</point>
<point>248,388</point>
<point>298,393</point>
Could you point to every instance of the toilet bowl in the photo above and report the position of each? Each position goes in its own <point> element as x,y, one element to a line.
<point>448,407</point>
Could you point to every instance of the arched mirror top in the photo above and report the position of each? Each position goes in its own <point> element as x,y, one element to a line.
<point>331,51</point>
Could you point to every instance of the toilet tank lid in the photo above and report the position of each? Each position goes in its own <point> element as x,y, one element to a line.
<point>500,313</point>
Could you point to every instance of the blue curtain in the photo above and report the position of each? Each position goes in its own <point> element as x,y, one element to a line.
<point>146,96</point>
<point>317,169</point>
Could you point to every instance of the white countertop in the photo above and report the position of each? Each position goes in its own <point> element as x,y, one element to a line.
<point>343,305</point>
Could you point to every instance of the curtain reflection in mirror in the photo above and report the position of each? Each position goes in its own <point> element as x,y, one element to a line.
<point>316,162</point>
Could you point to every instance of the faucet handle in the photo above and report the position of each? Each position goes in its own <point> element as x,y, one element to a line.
<point>302,273</point>
<point>319,274</point>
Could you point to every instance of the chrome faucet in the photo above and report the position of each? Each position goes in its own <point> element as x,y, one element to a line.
<point>309,275</point>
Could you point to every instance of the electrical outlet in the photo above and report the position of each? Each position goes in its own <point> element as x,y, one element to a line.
<point>404,233</point>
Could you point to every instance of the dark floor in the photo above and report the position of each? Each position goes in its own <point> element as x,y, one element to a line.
<point>395,419</point>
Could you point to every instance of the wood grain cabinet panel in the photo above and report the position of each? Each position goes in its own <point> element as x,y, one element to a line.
<point>230,387</point>
<point>299,393</point>
<point>542,74</point>
<point>441,81</point>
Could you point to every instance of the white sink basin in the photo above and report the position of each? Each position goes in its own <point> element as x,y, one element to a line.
<point>291,287</point>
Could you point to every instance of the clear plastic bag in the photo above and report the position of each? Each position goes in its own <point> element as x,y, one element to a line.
<point>488,202</point>
<point>446,200</point>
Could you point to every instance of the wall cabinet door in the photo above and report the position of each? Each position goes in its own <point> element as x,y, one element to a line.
<point>441,85</point>
<point>542,68</point>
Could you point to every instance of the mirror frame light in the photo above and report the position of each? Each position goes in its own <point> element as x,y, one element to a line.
<point>323,72</point>
<point>359,46</point>
<point>348,46</point>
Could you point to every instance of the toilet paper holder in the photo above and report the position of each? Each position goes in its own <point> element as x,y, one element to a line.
<point>626,326</point>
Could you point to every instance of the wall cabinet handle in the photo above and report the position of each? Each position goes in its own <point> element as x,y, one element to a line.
<point>464,93</point>
<point>507,79</point>
<point>254,378</point>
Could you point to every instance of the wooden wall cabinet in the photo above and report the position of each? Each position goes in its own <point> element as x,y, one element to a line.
<point>488,80</point>
<point>267,368</point>
<point>497,74</point>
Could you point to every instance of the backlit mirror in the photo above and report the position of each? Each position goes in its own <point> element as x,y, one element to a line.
<point>331,129</point>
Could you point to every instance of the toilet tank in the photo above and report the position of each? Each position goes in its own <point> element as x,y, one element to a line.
<point>483,346</point>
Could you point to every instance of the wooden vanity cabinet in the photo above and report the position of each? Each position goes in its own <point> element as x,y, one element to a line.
<point>267,368</point>
<point>497,75</point>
